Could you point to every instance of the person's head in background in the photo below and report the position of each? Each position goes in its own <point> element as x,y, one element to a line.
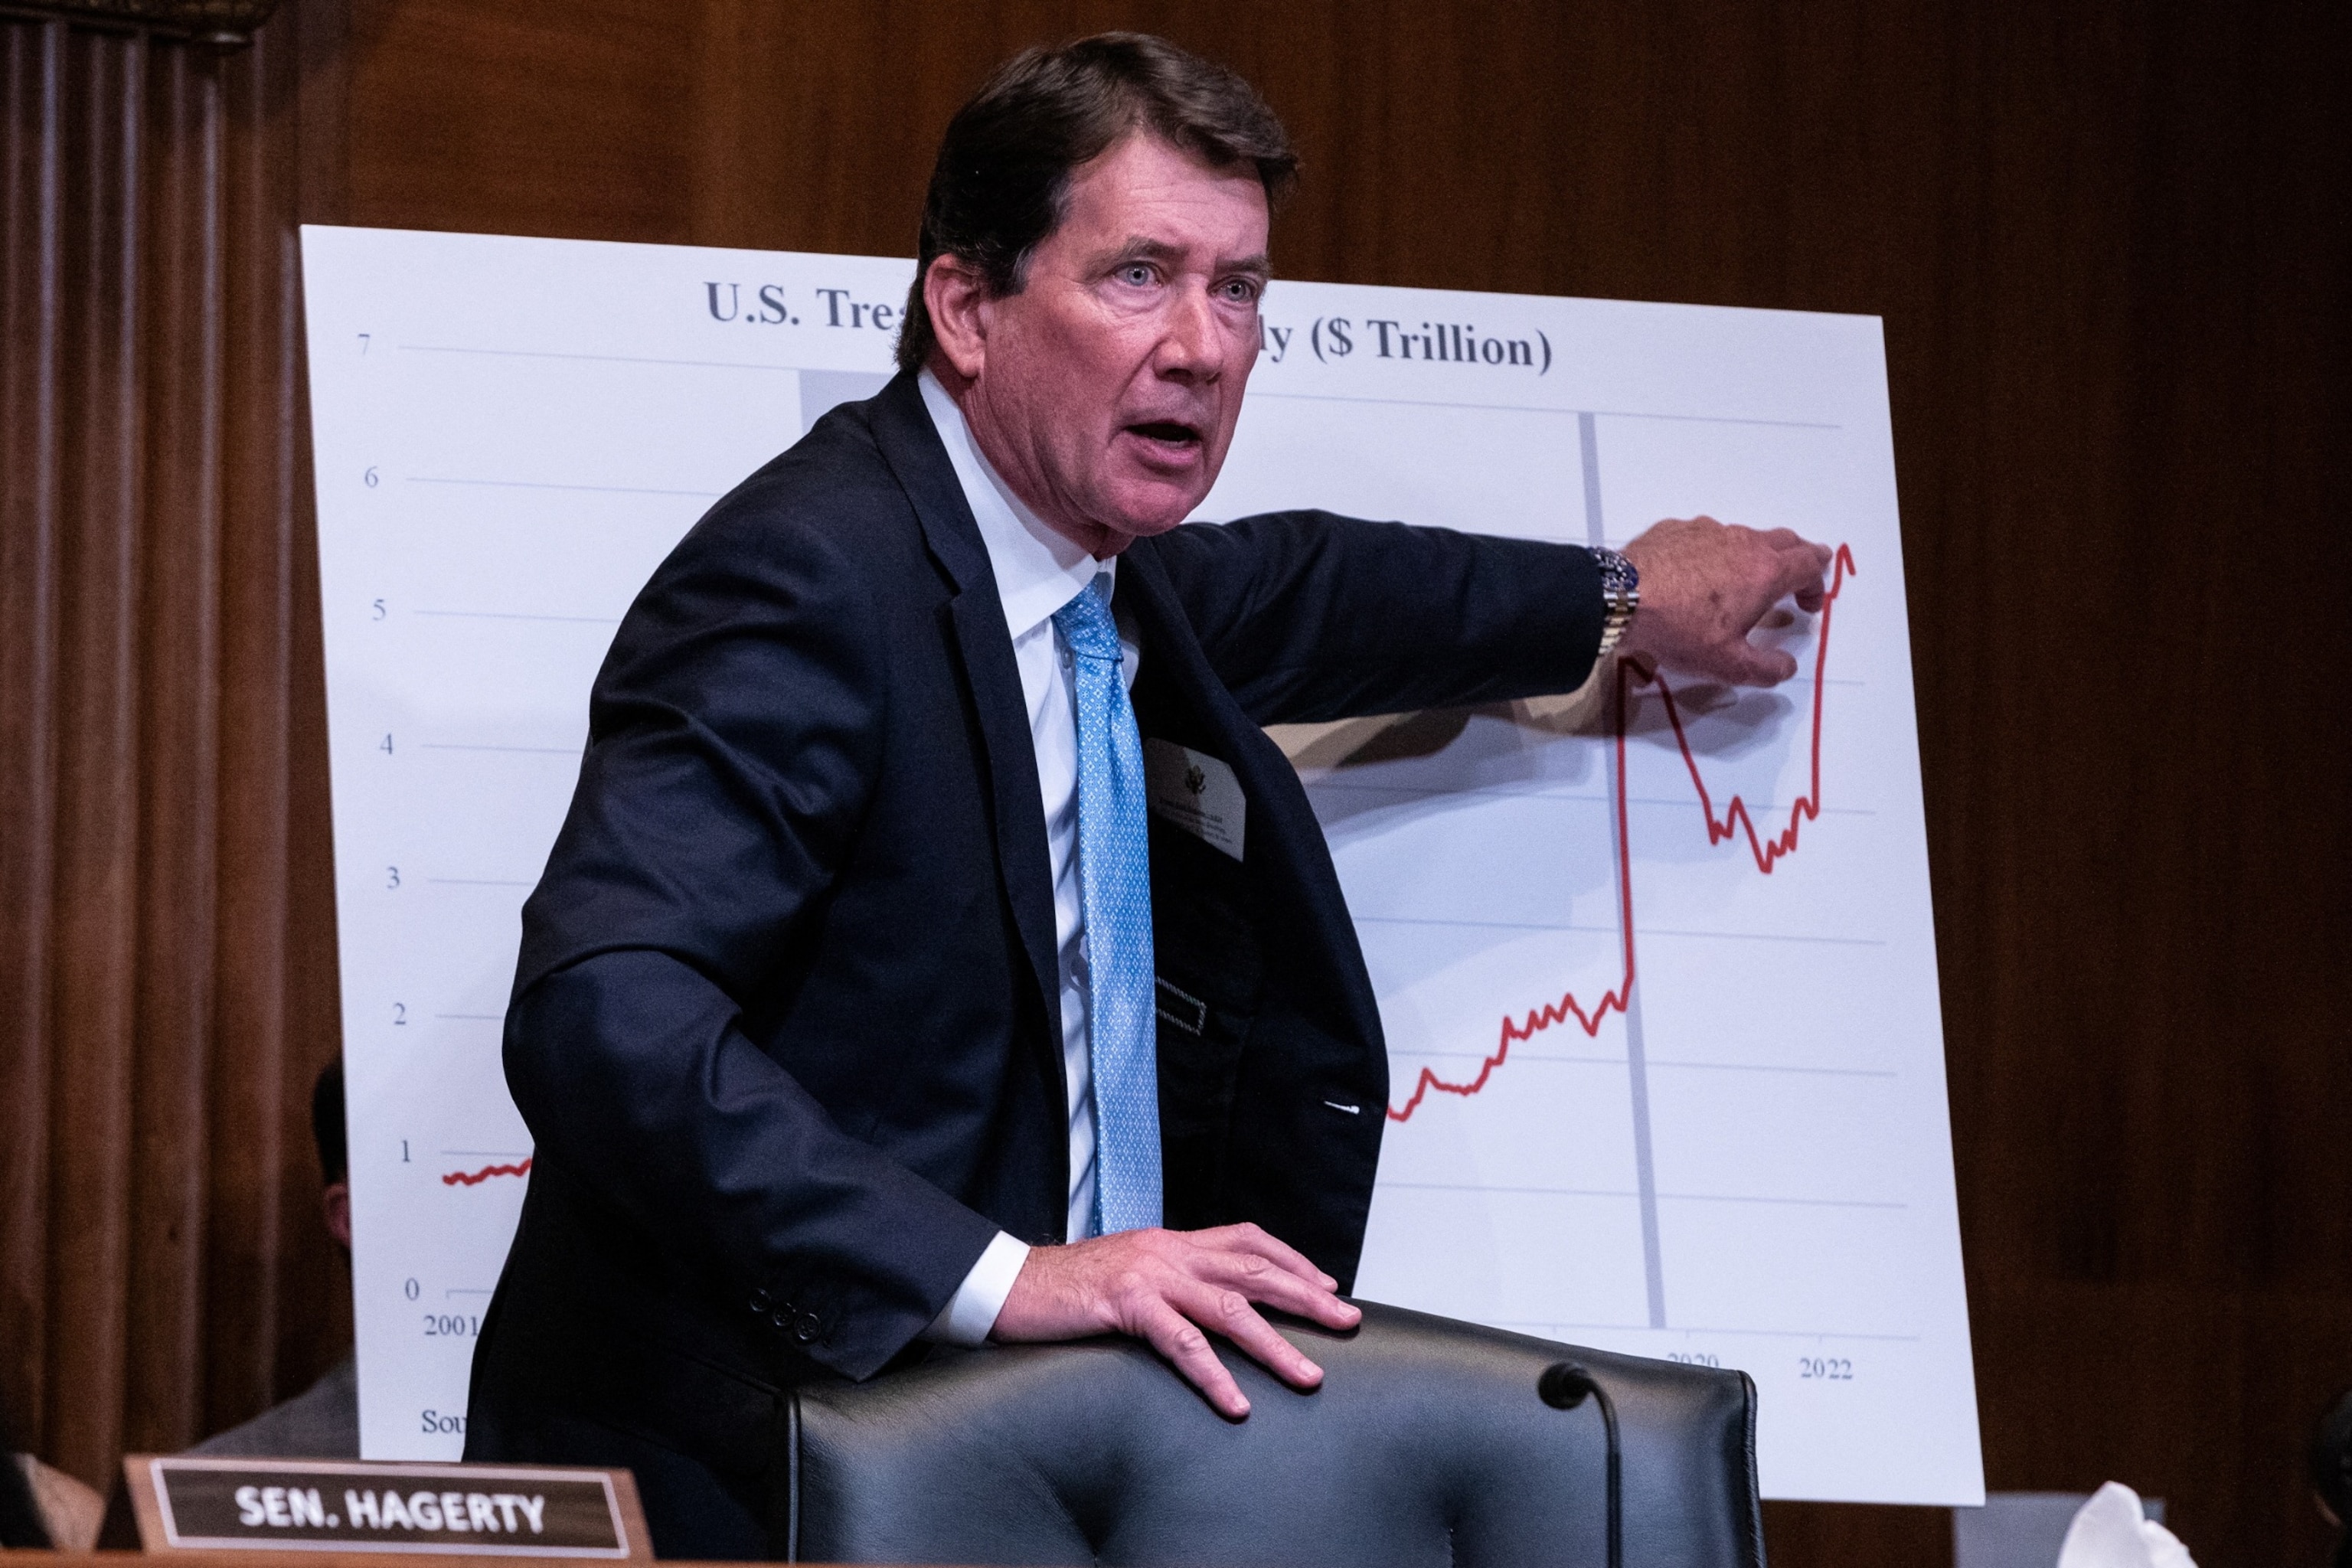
<point>334,1160</point>
<point>323,1420</point>
<point>22,1527</point>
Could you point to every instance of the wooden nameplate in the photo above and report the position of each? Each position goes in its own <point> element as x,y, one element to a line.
<point>190,1503</point>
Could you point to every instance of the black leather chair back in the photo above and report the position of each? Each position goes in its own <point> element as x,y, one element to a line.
<point>1427,1444</point>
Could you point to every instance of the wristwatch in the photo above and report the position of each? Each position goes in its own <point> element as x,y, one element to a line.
<point>1620,589</point>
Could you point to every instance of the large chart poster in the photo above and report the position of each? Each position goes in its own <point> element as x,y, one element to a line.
<point>1655,960</point>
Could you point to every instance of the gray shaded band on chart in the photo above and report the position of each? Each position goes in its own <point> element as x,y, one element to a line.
<point>1637,1066</point>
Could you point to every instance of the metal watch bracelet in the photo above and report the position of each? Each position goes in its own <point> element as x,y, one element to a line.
<point>1621,590</point>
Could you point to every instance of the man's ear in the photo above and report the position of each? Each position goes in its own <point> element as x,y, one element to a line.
<point>957,294</point>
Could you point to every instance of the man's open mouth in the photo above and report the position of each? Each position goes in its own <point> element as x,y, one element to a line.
<point>1168,432</point>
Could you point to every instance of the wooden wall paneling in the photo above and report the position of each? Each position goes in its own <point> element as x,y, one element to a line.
<point>279,1293</point>
<point>573,120</point>
<point>166,941</point>
<point>31,224</point>
<point>243,1111</point>
<point>2154,904</point>
<point>92,1012</point>
<point>306,89</point>
<point>178,627</point>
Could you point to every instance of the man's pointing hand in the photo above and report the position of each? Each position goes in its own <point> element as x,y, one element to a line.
<point>1168,1287</point>
<point>1704,586</point>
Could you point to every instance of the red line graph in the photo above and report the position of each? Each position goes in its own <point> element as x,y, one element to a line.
<point>476,1178</point>
<point>1735,818</point>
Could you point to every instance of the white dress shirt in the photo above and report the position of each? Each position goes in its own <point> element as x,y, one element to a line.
<point>1037,571</point>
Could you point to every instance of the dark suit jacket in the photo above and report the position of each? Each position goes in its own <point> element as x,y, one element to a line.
<point>786,1026</point>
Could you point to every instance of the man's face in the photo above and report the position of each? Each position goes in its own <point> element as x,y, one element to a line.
<point>1105,391</point>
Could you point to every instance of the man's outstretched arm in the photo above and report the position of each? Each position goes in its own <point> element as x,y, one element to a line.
<point>1308,615</point>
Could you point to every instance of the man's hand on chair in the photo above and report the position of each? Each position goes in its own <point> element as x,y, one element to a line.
<point>1173,1289</point>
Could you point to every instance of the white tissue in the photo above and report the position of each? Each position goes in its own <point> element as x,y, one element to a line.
<point>2111,1531</point>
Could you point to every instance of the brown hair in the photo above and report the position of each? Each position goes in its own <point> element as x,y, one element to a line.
<point>1003,170</point>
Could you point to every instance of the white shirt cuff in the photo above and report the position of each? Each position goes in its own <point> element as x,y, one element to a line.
<point>972,1312</point>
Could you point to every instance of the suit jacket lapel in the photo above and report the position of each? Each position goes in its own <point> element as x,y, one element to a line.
<point>910,444</point>
<point>1284,842</point>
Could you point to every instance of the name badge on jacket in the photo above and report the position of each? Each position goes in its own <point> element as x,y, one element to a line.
<point>1196,792</point>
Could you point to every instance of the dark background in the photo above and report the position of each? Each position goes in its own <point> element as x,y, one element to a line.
<point>2113,249</point>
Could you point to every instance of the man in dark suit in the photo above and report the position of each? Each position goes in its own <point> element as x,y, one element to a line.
<point>936,948</point>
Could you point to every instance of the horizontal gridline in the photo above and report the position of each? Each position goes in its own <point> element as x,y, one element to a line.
<point>1639,929</point>
<point>518,616</point>
<point>1539,408</point>
<point>1410,1055</point>
<point>1262,393</point>
<point>604,359</point>
<point>1771,1066</point>
<point>1791,684</point>
<point>1327,784</point>
<point>1678,1329</point>
<point>1630,1193</point>
<point>553,485</point>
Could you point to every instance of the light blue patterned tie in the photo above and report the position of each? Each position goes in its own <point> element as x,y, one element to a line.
<point>1115,881</point>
